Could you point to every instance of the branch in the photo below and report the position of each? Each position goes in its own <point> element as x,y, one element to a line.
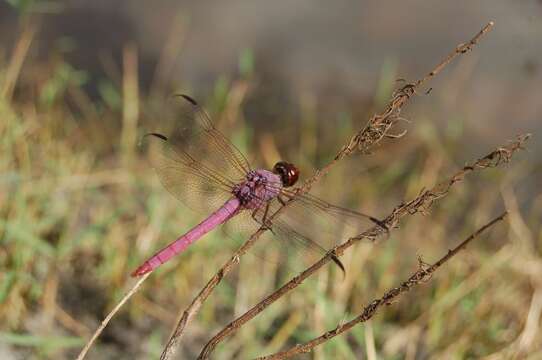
<point>109,316</point>
<point>421,204</point>
<point>422,275</point>
<point>374,131</point>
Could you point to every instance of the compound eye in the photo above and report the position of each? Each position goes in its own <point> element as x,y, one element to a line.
<point>278,168</point>
<point>288,173</point>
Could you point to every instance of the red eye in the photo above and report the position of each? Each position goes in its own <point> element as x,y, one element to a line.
<point>288,173</point>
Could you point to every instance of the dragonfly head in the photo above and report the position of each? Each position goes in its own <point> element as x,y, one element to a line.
<point>288,173</point>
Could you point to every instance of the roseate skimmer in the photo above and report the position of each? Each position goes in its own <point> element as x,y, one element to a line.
<point>199,165</point>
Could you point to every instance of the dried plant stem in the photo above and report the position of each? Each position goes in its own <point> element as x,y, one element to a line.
<point>421,203</point>
<point>15,65</point>
<point>109,316</point>
<point>374,131</point>
<point>379,125</point>
<point>422,275</point>
<point>197,302</point>
<point>130,103</point>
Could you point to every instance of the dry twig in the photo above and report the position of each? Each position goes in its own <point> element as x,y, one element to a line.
<point>109,316</point>
<point>375,130</point>
<point>422,275</point>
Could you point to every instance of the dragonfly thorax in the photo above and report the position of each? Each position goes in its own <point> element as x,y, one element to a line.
<point>258,187</point>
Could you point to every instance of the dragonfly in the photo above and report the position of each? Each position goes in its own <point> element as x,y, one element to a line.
<point>200,166</point>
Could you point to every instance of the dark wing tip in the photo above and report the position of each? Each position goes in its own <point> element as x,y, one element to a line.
<point>163,137</point>
<point>339,264</point>
<point>188,98</point>
<point>159,136</point>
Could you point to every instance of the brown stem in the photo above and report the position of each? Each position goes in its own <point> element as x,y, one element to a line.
<point>421,203</point>
<point>374,131</point>
<point>109,316</point>
<point>422,275</point>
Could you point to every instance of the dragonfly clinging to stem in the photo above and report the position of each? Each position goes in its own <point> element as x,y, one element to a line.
<point>198,164</point>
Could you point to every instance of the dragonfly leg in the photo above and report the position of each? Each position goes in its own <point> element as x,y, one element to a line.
<point>281,200</point>
<point>266,224</point>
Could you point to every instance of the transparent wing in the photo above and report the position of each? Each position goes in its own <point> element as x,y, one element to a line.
<point>197,164</point>
<point>310,226</point>
<point>194,184</point>
<point>196,135</point>
<point>282,245</point>
<point>334,217</point>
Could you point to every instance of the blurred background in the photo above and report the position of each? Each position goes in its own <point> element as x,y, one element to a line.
<point>81,207</point>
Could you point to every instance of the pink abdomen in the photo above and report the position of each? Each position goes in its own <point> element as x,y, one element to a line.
<point>223,214</point>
